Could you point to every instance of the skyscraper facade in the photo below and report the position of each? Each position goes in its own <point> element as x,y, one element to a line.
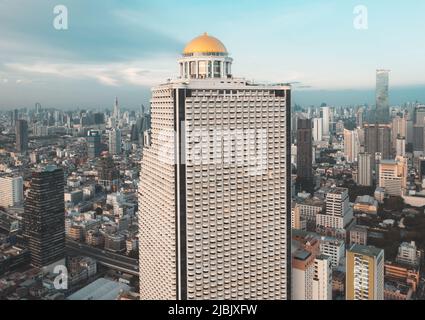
<point>365,169</point>
<point>21,127</point>
<point>382,98</point>
<point>351,145</point>
<point>44,217</point>
<point>115,141</point>
<point>393,176</point>
<point>317,129</point>
<point>213,192</point>
<point>94,146</point>
<point>11,191</point>
<point>326,117</point>
<point>305,154</point>
<point>378,140</point>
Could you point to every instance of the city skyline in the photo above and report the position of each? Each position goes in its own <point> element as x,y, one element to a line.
<point>282,160</point>
<point>131,48</point>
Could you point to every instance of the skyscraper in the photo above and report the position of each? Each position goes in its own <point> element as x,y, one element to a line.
<point>393,176</point>
<point>419,129</point>
<point>351,145</point>
<point>213,194</point>
<point>94,147</point>
<point>400,147</point>
<point>305,155</point>
<point>399,128</point>
<point>115,141</point>
<point>382,99</point>
<point>378,139</point>
<point>21,127</point>
<point>44,217</point>
<point>326,116</point>
<point>365,169</point>
<point>317,129</point>
<point>364,273</point>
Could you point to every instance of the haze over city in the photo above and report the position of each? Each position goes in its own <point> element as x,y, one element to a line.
<point>122,48</point>
<point>221,151</point>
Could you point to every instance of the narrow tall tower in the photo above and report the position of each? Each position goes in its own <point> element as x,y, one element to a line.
<point>214,211</point>
<point>44,218</point>
<point>21,127</point>
<point>382,97</point>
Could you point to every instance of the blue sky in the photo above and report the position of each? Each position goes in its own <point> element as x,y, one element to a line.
<point>123,47</point>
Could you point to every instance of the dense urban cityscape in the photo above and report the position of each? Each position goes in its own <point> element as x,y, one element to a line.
<point>221,188</point>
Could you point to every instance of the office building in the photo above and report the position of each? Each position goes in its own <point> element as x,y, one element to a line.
<point>210,217</point>
<point>409,254</point>
<point>317,129</point>
<point>364,273</point>
<point>351,145</point>
<point>44,217</point>
<point>365,172</point>
<point>322,279</point>
<point>358,235</point>
<point>338,213</point>
<point>11,191</point>
<point>393,176</point>
<point>326,116</point>
<point>311,271</point>
<point>399,128</point>
<point>400,147</point>
<point>305,155</point>
<point>378,139</point>
<point>94,147</point>
<point>382,97</point>
<point>21,132</point>
<point>115,141</point>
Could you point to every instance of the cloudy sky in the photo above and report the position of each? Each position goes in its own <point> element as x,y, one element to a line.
<point>123,47</point>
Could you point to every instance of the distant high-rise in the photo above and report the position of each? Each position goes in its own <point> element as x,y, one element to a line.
<point>21,127</point>
<point>419,129</point>
<point>214,197</point>
<point>326,116</point>
<point>378,139</point>
<point>115,141</point>
<point>351,145</point>
<point>116,112</point>
<point>365,169</point>
<point>107,173</point>
<point>305,154</point>
<point>317,129</point>
<point>11,191</point>
<point>382,100</point>
<point>338,214</point>
<point>399,128</point>
<point>364,273</point>
<point>94,146</point>
<point>393,176</point>
<point>400,146</point>
<point>44,217</point>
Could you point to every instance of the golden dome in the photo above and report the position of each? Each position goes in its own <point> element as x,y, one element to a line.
<point>205,44</point>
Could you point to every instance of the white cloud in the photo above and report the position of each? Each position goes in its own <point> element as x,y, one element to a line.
<point>143,73</point>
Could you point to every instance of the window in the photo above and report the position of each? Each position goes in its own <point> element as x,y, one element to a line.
<point>202,69</point>
<point>217,69</point>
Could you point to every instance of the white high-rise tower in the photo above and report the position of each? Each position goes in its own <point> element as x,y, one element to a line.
<point>214,210</point>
